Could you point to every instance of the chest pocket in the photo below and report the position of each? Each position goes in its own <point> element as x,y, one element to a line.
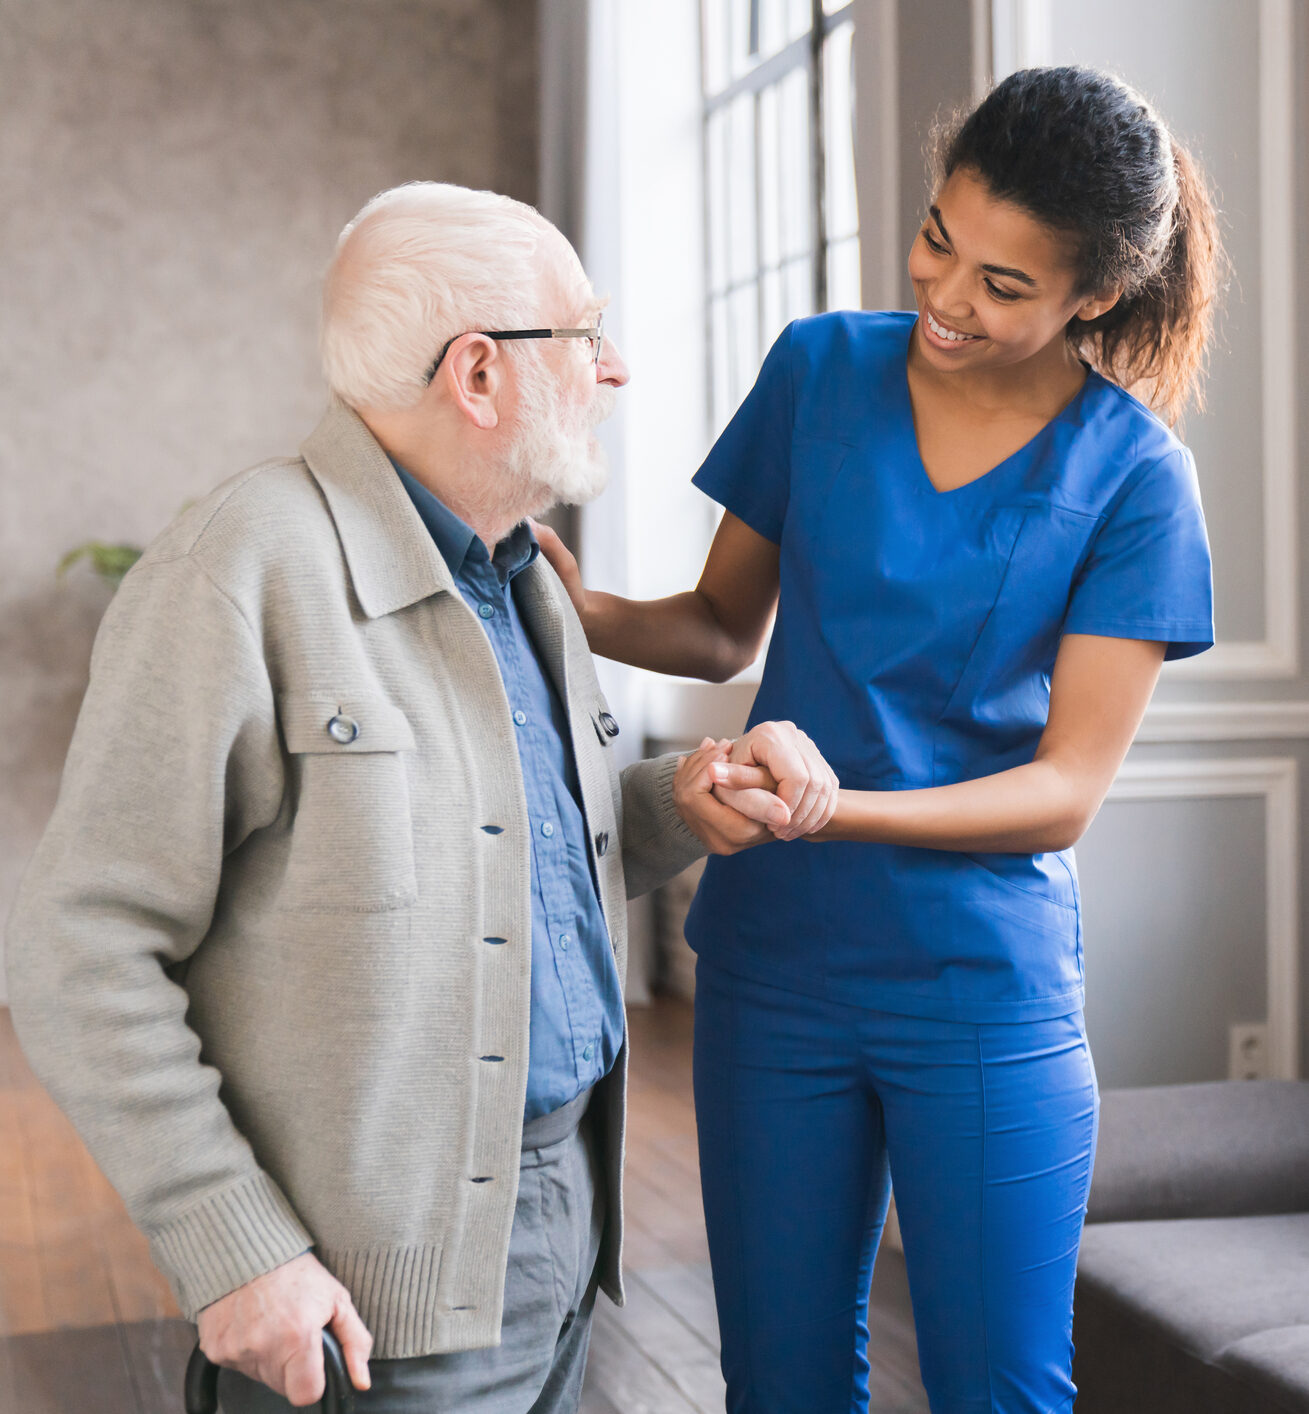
<point>1001,700</point>
<point>352,836</point>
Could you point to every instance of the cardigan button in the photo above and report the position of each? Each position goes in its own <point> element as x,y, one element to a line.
<point>608,723</point>
<point>343,729</point>
<point>602,842</point>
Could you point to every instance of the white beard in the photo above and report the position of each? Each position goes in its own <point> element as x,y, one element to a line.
<point>556,461</point>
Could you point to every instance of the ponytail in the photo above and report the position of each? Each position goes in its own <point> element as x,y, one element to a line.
<point>1088,156</point>
<point>1154,341</point>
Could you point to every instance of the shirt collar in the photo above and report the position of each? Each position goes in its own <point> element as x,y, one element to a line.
<point>458,542</point>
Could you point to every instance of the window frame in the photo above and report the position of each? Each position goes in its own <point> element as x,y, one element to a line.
<point>804,53</point>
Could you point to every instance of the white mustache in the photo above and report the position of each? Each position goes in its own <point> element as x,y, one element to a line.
<point>603,406</point>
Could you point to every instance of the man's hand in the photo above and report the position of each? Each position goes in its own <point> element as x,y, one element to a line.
<point>795,770</point>
<point>271,1329</point>
<point>752,817</point>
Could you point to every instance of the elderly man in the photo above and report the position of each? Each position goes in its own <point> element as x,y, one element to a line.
<point>323,948</point>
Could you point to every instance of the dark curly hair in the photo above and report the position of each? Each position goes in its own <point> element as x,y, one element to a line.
<point>1088,156</point>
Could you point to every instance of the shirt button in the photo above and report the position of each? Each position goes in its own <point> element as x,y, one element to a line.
<point>520,717</point>
<point>564,940</point>
<point>588,1053</point>
<point>343,729</point>
<point>485,610</point>
<point>547,829</point>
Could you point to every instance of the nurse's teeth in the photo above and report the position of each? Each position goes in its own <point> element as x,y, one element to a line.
<point>942,332</point>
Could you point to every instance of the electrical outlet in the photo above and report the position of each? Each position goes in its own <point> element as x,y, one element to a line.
<point>1247,1051</point>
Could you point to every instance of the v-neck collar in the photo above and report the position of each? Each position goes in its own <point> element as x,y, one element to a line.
<point>925,483</point>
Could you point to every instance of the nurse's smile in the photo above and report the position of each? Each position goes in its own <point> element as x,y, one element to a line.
<point>995,288</point>
<point>945,335</point>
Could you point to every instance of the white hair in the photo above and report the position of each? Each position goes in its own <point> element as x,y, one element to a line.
<point>419,265</point>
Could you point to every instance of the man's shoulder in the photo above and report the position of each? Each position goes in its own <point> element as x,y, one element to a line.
<point>262,517</point>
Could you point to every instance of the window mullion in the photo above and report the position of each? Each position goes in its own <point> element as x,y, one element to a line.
<point>817,156</point>
<point>759,223</point>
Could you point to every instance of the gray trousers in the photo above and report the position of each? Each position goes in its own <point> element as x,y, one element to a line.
<point>550,1291</point>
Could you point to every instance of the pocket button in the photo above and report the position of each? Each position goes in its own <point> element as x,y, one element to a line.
<point>343,729</point>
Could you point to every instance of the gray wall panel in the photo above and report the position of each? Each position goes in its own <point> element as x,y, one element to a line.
<point>1174,935</point>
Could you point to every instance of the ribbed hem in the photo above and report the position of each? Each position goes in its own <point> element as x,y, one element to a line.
<point>395,1292</point>
<point>226,1241</point>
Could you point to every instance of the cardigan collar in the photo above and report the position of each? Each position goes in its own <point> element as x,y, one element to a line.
<point>393,561</point>
<point>392,558</point>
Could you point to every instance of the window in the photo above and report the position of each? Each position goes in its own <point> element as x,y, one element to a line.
<point>782,226</point>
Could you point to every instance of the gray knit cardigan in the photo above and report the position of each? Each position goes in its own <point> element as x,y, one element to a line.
<point>279,976</point>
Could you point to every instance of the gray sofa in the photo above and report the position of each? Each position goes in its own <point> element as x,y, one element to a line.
<point>1193,1281</point>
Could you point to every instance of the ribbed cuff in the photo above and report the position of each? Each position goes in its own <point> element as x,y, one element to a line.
<point>679,834</point>
<point>226,1241</point>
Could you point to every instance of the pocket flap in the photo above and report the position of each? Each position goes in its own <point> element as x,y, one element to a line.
<point>351,723</point>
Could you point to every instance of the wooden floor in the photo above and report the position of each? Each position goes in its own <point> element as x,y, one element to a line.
<point>87,1326</point>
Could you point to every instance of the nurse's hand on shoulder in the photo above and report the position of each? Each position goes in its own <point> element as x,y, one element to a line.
<point>798,774</point>
<point>564,564</point>
<point>726,829</point>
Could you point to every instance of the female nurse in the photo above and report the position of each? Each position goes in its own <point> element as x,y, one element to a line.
<point>981,547</point>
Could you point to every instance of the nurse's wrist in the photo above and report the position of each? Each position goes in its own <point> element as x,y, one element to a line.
<point>842,824</point>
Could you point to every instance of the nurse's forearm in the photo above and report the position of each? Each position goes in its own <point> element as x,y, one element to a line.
<point>681,635</point>
<point>1027,810</point>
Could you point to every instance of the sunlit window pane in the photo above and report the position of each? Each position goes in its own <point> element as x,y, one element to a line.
<point>742,249</point>
<point>713,41</point>
<point>843,274</point>
<point>743,57</point>
<point>718,214</point>
<point>838,106</point>
<point>770,172</point>
<point>722,392</point>
<point>796,195</point>
<point>743,340</point>
<point>773,29</point>
<point>772,311</point>
<point>797,289</point>
<point>768,230</point>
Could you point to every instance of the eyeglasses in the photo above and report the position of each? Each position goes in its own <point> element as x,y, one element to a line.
<point>595,334</point>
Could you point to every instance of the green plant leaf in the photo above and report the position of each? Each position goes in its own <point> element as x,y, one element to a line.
<point>110,562</point>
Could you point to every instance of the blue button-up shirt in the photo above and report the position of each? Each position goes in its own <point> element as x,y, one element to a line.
<point>577,1003</point>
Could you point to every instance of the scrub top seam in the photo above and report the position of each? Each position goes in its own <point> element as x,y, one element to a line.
<point>986,1321</point>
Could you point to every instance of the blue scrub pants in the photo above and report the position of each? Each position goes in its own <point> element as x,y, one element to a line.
<point>805,1110</point>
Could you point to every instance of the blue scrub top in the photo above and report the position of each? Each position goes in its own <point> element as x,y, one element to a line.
<point>916,633</point>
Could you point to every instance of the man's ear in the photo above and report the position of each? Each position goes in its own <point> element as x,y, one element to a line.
<point>1099,304</point>
<point>473,375</point>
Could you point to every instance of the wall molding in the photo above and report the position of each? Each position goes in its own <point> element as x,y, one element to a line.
<point>1276,781</point>
<point>1022,35</point>
<point>1224,721</point>
<point>678,709</point>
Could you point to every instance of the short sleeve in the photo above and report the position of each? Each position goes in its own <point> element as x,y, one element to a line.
<point>1148,574</point>
<point>748,469</point>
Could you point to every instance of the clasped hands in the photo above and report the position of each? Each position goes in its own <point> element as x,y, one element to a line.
<point>772,783</point>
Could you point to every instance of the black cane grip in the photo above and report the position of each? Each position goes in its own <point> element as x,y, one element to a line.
<point>202,1381</point>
